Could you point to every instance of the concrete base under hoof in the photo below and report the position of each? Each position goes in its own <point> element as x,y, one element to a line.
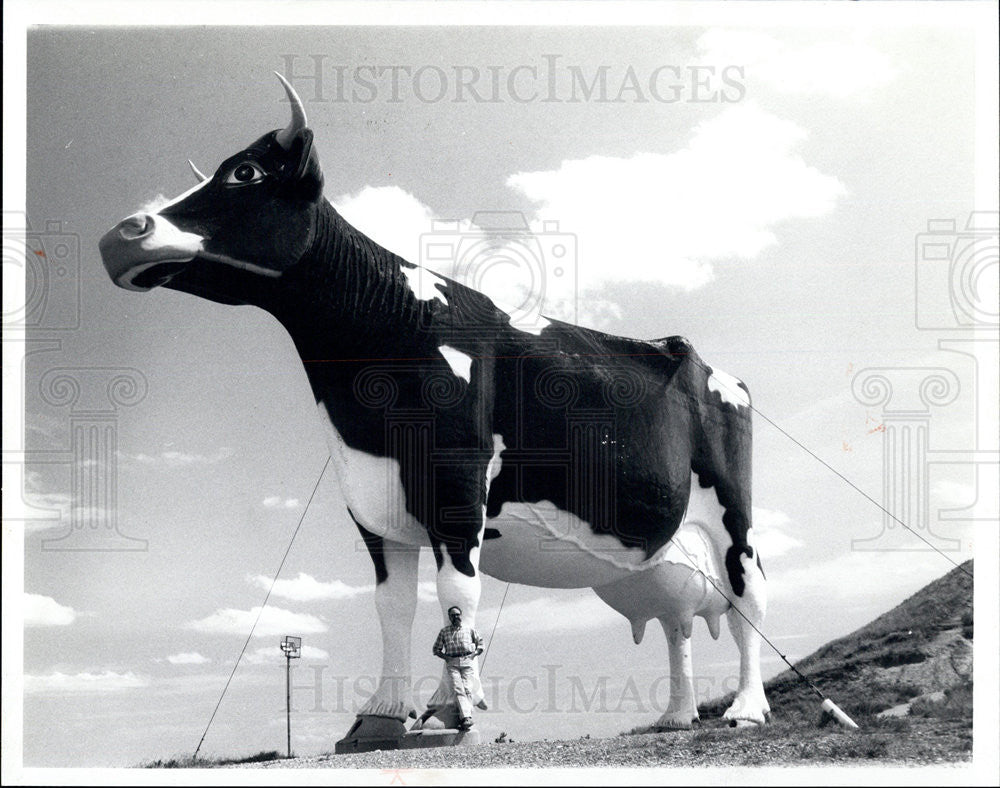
<point>351,746</point>
<point>382,733</point>
<point>443,737</point>
<point>371,733</point>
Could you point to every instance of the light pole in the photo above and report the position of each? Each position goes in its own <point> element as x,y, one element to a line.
<point>292,646</point>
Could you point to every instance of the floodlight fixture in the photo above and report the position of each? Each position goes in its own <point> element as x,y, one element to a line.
<point>292,646</point>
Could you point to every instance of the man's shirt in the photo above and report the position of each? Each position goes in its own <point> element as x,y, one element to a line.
<point>458,641</point>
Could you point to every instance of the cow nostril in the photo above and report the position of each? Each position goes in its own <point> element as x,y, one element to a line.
<point>136,226</point>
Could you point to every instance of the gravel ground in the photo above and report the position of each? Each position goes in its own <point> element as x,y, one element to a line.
<point>912,742</point>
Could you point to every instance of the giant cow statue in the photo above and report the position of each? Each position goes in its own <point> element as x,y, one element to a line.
<point>558,456</point>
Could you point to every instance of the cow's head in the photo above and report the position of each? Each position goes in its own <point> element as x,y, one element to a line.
<point>232,233</point>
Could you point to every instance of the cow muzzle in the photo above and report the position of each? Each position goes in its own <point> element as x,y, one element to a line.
<point>147,250</point>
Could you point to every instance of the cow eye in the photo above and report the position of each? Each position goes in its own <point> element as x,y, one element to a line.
<point>245,173</point>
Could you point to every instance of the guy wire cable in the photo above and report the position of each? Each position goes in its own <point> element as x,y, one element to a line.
<point>263,605</point>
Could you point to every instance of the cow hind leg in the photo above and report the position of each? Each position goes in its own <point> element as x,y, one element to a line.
<point>749,703</point>
<point>682,709</point>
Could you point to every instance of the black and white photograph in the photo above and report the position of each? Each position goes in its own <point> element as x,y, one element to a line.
<point>559,392</point>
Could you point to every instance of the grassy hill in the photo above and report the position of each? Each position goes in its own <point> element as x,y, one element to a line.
<point>921,646</point>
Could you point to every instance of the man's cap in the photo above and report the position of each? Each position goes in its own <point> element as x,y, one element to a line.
<point>454,609</point>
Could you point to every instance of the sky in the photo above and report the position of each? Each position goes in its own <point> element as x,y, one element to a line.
<point>763,189</point>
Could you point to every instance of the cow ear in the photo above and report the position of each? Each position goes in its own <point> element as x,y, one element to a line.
<point>305,176</point>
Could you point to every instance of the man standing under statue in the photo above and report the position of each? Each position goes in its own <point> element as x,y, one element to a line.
<point>458,646</point>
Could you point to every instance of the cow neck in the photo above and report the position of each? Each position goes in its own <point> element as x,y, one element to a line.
<point>347,297</point>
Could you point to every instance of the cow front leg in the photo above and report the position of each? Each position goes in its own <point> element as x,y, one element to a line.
<point>749,703</point>
<point>458,583</point>
<point>385,712</point>
<point>682,710</point>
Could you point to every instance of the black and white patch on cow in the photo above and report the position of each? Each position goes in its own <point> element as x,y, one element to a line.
<point>556,456</point>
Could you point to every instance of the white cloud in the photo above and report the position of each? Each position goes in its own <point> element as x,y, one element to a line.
<point>669,217</point>
<point>273,621</point>
<point>188,658</point>
<point>656,217</point>
<point>858,576</point>
<point>306,588</point>
<point>44,611</point>
<point>771,530</point>
<point>277,502</point>
<point>833,68</point>
<point>659,217</point>
<point>179,459</point>
<point>37,496</point>
<point>108,681</point>
<point>267,655</point>
<point>460,250</point>
<point>559,613</point>
<point>389,215</point>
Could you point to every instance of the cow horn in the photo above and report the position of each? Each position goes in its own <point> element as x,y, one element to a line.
<point>197,173</point>
<point>298,121</point>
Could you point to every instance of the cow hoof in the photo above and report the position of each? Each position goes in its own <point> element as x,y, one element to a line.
<point>747,710</point>
<point>672,721</point>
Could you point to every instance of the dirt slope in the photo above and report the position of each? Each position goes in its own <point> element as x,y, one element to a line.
<point>922,645</point>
